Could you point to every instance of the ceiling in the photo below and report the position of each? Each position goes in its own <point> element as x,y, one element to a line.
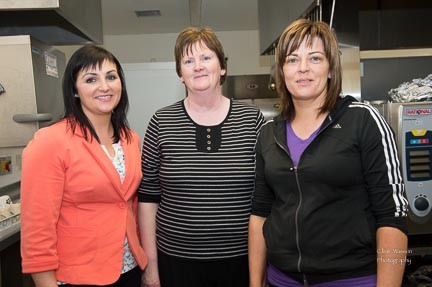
<point>119,18</point>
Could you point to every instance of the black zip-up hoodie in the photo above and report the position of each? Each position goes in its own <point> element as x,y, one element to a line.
<point>322,216</point>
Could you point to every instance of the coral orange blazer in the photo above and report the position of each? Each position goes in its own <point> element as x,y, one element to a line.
<point>75,212</point>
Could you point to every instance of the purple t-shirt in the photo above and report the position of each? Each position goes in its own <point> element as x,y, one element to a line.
<point>297,145</point>
<point>275,277</point>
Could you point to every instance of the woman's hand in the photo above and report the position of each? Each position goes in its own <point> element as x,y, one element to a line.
<point>150,277</point>
<point>392,247</point>
<point>147,224</point>
<point>257,252</point>
<point>45,279</point>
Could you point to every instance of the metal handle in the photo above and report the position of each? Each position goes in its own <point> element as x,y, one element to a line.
<point>27,118</point>
<point>2,89</point>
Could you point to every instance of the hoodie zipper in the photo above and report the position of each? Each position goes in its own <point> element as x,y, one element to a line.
<point>295,170</point>
<point>296,220</point>
<point>305,282</point>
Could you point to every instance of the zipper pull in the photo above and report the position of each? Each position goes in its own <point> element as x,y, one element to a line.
<point>305,282</point>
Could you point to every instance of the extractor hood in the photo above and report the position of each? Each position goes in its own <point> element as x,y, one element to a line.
<point>55,22</point>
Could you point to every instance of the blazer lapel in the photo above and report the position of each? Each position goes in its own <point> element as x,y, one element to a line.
<point>98,154</point>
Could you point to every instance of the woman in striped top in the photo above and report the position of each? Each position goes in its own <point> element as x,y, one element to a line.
<point>198,165</point>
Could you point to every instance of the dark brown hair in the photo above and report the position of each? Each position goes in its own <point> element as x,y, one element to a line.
<point>92,56</point>
<point>289,41</point>
<point>189,36</point>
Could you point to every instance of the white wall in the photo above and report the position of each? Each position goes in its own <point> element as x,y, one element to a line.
<point>150,87</point>
<point>241,48</point>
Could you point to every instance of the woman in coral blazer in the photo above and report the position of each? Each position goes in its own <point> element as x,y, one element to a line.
<point>79,182</point>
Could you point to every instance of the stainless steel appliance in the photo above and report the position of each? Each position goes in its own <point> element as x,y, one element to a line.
<point>30,74</point>
<point>258,90</point>
<point>412,124</point>
<point>31,98</point>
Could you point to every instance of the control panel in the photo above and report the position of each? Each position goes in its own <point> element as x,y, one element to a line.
<point>416,129</point>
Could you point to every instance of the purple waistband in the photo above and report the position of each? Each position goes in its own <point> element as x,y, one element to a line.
<point>279,279</point>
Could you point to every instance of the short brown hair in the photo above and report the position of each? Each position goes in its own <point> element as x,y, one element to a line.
<point>189,36</point>
<point>289,41</point>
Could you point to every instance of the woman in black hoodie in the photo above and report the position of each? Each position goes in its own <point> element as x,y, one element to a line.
<point>329,206</point>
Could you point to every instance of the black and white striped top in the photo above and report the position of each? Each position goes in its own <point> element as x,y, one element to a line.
<point>203,179</point>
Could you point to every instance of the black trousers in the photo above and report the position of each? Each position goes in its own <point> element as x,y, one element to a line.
<point>132,278</point>
<point>179,272</point>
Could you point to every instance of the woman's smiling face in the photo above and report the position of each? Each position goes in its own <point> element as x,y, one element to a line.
<point>200,69</point>
<point>99,89</point>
